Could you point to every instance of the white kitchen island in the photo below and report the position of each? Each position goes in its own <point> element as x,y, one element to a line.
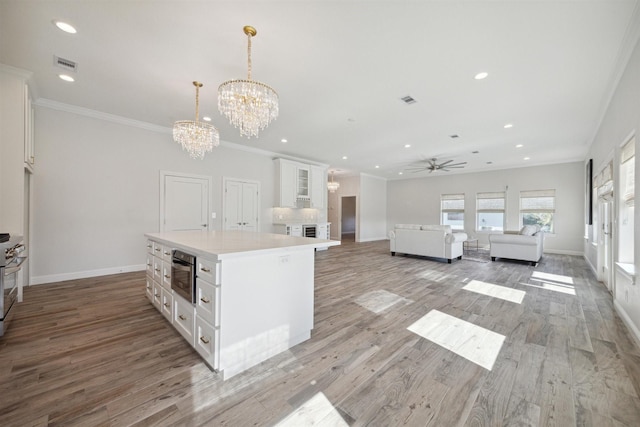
<point>254,293</point>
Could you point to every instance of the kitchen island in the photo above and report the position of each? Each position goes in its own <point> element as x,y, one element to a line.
<point>253,293</point>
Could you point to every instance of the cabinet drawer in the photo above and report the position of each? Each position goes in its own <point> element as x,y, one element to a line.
<point>208,270</point>
<point>166,275</point>
<point>157,295</point>
<point>166,253</point>
<point>149,289</point>
<point>157,249</point>
<point>157,269</point>
<point>206,341</point>
<point>150,247</point>
<point>167,305</point>
<point>183,318</point>
<point>208,302</point>
<point>149,265</point>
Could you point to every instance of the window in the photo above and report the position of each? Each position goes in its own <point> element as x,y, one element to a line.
<point>537,208</point>
<point>452,210</point>
<point>490,211</point>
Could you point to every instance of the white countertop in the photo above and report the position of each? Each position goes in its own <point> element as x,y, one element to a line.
<point>229,244</point>
<point>301,223</point>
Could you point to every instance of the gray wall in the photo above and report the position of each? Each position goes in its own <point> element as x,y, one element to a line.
<point>418,200</point>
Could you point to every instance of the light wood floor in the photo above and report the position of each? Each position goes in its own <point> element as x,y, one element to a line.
<point>95,352</point>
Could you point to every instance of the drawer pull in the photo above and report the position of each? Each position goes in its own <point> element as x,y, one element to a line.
<point>148,264</point>
<point>167,276</point>
<point>205,269</point>
<point>205,300</point>
<point>157,269</point>
<point>204,340</point>
<point>157,249</point>
<point>149,246</point>
<point>157,295</point>
<point>167,253</point>
<point>166,304</point>
<point>181,317</point>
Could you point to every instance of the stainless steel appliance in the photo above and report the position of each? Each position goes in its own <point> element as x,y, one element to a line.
<point>309,230</point>
<point>183,275</point>
<point>11,260</point>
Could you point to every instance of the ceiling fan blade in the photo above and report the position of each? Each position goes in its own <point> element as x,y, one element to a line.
<point>460,165</point>
<point>445,163</point>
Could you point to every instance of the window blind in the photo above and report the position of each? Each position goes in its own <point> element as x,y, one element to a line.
<point>490,202</point>
<point>452,202</point>
<point>628,165</point>
<point>536,201</point>
<point>628,151</point>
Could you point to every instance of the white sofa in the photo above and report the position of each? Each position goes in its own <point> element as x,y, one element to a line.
<point>436,241</point>
<point>525,245</point>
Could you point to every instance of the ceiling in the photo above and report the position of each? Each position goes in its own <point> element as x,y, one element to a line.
<point>340,69</point>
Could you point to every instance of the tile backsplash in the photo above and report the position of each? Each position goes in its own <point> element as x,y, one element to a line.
<point>295,215</point>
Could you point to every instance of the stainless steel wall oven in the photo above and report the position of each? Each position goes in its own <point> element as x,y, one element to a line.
<point>183,275</point>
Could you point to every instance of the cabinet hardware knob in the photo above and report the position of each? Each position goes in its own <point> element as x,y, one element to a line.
<point>157,249</point>
<point>204,340</point>
<point>166,276</point>
<point>166,304</point>
<point>205,300</point>
<point>205,269</point>
<point>158,295</point>
<point>181,317</point>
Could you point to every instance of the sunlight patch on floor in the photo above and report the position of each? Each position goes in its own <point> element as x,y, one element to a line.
<point>317,411</point>
<point>570,290</point>
<point>496,291</point>
<point>380,300</point>
<point>549,277</point>
<point>476,344</point>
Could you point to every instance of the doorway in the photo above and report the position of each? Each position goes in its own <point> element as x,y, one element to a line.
<point>348,218</point>
<point>605,246</point>
<point>241,204</point>
<point>184,201</point>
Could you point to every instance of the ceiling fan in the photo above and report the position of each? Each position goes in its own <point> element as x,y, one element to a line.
<point>433,165</point>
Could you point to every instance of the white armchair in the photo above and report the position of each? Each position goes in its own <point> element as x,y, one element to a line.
<point>525,245</point>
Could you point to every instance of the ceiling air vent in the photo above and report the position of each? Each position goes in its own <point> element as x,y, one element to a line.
<point>408,100</point>
<point>65,64</point>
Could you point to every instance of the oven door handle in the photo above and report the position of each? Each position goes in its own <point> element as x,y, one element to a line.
<point>11,268</point>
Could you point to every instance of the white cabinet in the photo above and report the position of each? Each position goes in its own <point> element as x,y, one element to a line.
<point>300,185</point>
<point>285,187</point>
<point>322,231</point>
<point>183,318</point>
<point>318,187</point>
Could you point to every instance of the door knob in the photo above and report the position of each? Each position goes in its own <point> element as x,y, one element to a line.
<point>204,225</point>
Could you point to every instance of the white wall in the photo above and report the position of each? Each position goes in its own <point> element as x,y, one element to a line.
<point>373,208</point>
<point>418,200</point>
<point>621,120</point>
<point>96,191</point>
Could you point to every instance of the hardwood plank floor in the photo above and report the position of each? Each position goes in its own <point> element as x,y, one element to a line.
<point>95,352</point>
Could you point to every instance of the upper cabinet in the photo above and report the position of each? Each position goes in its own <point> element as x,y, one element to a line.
<point>299,185</point>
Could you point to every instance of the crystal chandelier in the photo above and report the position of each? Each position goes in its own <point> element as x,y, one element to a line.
<point>332,185</point>
<point>196,137</point>
<point>249,105</point>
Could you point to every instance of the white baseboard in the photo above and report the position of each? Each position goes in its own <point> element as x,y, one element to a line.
<point>373,239</point>
<point>593,268</point>
<point>635,332</point>
<point>563,252</point>
<point>52,278</point>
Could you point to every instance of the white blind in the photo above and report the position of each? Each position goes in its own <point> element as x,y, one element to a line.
<point>452,202</point>
<point>628,151</point>
<point>490,202</point>
<point>628,161</point>
<point>605,182</point>
<point>538,201</point>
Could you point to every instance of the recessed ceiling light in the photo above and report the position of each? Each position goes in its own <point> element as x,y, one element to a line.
<point>377,166</point>
<point>475,152</point>
<point>526,158</point>
<point>351,119</point>
<point>399,173</point>
<point>508,126</point>
<point>481,76</point>
<point>454,136</point>
<point>519,146</point>
<point>407,145</point>
<point>67,28</point>
<point>489,163</point>
<point>344,157</point>
<point>206,118</point>
<point>284,140</point>
<point>66,78</point>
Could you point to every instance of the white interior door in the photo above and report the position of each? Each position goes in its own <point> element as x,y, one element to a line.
<point>184,202</point>
<point>241,205</point>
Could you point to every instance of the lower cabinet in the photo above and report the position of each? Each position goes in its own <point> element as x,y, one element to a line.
<point>205,341</point>
<point>183,318</point>
<point>167,304</point>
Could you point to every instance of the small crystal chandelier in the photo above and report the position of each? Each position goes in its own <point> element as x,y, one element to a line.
<point>332,185</point>
<point>249,105</point>
<point>196,137</point>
